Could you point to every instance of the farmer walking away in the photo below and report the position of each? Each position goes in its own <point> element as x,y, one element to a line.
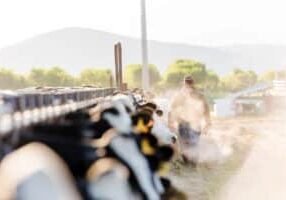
<point>189,115</point>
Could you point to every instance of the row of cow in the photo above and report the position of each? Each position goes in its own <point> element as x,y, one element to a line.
<point>119,148</point>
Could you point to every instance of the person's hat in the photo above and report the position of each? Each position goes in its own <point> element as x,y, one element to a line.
<point>189,80</point>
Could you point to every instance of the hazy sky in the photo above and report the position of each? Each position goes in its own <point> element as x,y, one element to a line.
<point>204,22</point>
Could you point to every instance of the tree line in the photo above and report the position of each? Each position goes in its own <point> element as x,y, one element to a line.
<point>207,80</point>
<point>54,76</point>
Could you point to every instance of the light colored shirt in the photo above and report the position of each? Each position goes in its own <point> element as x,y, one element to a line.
<point>190,106</point>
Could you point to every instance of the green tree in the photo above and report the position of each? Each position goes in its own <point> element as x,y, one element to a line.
<point>37,77</point>
<point>98,77</point>
<point>54,76</point>
<point>238,79</point>
<point>11,80</point>
<point>266,76</point>
<point>132,75</point>
<point>211,81</point>
<point>180,68</point>
<point>270,75</point>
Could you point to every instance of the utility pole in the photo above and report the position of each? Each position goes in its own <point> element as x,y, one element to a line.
<point>145,71</point>
<point>118,65</point>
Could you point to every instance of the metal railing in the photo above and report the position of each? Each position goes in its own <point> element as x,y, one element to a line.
<point>24,108</point>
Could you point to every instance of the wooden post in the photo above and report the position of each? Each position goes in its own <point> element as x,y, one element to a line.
<point>118,65</point>
<point>119,49</point>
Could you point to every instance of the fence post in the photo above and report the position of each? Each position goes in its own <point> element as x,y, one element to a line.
<point>118,65</point>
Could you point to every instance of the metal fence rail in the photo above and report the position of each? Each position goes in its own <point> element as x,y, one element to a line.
<point>26,107</point>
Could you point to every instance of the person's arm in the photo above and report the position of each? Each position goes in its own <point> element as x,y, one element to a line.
<point>172,115</point>
<point>206,119</point>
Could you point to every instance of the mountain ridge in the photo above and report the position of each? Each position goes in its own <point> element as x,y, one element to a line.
<point>75,48</point>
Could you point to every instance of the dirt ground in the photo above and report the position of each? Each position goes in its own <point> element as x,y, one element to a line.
<point>254,170</point>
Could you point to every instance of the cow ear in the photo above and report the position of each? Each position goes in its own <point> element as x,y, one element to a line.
<point>134,119</point>
<point>153,162</point>
<point>146,147</point>
<point>152,140</point>
<point>151,105</point>
<point>148,144</point>
<point>159,113</point>
<point>164,168</point>
<point>166,183</point>
<point>140,127</point>
<point>165,153</point>
<point>150,123</point>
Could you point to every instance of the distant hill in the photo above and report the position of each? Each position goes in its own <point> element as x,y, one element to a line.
<point>76,48</point>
